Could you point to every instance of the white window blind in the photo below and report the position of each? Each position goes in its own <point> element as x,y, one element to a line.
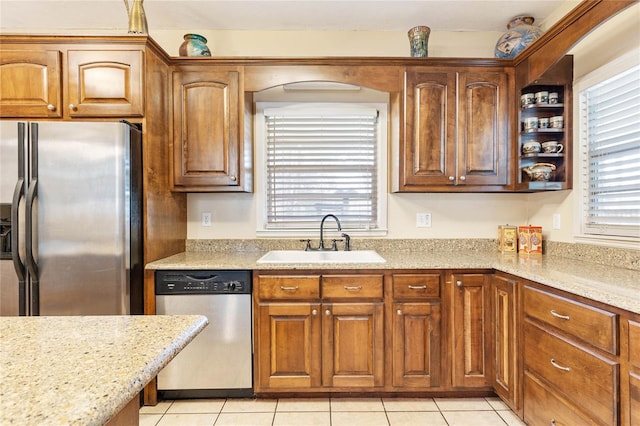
<point>610,134</point>
<point>320,162</point>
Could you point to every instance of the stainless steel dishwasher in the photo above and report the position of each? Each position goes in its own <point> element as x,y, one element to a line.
<point>218,362</point>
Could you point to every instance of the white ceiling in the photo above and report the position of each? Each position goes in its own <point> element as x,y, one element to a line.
<point>379,15</point>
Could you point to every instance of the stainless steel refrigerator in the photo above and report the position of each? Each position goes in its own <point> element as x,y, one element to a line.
<point>71,216</point>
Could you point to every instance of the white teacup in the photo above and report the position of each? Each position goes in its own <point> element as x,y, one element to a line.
<point>543,122</point>
<point>556,122</point>
<point>530,123</point>
<point>531,147</point>
<point>552,147</point>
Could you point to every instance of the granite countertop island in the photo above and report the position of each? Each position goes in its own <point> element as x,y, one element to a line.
<point>615,286</point>
<point>83,370</point>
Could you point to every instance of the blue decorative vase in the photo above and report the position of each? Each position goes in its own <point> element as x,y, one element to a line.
<point>419,41</point>
<point>194,45</point>
<point>521,33</point>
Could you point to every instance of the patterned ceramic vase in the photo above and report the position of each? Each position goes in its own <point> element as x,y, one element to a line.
<point>521,33</point>
<point>194,45</point>
<point>419,40</point>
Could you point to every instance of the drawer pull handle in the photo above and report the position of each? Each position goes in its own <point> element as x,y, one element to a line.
<point>314,312</point>
<point>557,315</point>
<point>283,288</point>
<point>558,366</point>
<point>553,422</point>
<point>399,311</point>
<point>459,283</point>
<point>353,288</point>
<point>418,287</point>
<point>327,312</point>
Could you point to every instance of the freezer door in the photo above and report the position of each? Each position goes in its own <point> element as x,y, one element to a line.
<point>80,218</point>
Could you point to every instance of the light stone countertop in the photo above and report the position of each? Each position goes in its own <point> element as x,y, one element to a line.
<point>83,370</point>
<point>618,287</point>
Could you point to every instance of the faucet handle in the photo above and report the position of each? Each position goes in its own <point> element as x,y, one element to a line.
<point>308,246</point>
<point>334,245</point>
<point>347,242</point>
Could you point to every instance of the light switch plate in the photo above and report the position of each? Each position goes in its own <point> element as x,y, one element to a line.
<point>556,221</point>
<point>423,220</point>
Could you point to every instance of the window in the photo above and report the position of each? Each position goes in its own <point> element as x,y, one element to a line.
<point>609,117</point>
<point>319,159</point>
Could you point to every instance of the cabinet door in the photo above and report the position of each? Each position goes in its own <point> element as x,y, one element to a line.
<point>205,130</point>
<point>506,375</point>
<point>416,345</point>
<point>289,345</point>
<point>105,83</point>
<point>30,83</point>
<point>470,329</point>
<point>430,117</point>
<point>353,345</point>
<point>483,129</point>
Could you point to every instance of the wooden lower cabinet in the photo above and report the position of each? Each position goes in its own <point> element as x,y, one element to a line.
<point>572,373</point>
<point>416,345</point>
<point>631,376</point>
<point>289,344</point>
<point>416,317</point>
<point>319,332</point>
<point>353,345</point>
<point>505,335</point>
<point>545,407</point>
<point>470,330</point>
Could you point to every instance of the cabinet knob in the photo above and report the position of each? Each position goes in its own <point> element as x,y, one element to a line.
<point>72,107</point>
<point>233,178</point>
<point>463,178</point>
<point>51,107</point>
<point>459,283</point>
<point>399,311</point>
<point>314,312</point>
<point>451,178</point>
<point>327,312</point>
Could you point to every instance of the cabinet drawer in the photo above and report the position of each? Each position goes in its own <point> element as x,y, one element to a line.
<point>593,325</point>
<point>288,287</point>
<point>579,375</point>
<point>352,286</point>
<point>416,286</point>
<point>543,407</point>
<point>634,343</point>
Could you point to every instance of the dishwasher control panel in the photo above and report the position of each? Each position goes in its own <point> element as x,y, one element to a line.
<point>203,282</point>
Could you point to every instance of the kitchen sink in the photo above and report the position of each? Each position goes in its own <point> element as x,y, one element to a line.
<point>300,256</point>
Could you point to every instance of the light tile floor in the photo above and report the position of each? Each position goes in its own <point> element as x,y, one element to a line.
<point>331,412</point>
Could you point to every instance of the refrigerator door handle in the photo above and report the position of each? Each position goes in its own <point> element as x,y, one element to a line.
<point>32,194</point>
<point>18,193</point>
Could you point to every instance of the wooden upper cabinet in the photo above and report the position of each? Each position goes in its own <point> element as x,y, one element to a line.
<point>456,131</point>
<point>483,129</point>
<point>105,83</point>
<point>430,128</point>
<point>30,83</point>
<point>207,116</point>
<point>37,82</point>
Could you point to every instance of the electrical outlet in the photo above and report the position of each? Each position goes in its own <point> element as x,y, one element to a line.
<point>423,220</point>
<point>206,218</point>
<point>556,221</point>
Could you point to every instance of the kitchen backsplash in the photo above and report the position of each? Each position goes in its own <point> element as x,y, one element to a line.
<point>623,258</point>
